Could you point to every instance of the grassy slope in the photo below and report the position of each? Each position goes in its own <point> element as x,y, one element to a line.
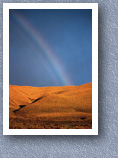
<point>51,107</point>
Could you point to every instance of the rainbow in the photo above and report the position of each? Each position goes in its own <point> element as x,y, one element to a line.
<point>50,55</point>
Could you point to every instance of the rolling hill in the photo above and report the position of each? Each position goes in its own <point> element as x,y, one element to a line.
<point>67,107</point>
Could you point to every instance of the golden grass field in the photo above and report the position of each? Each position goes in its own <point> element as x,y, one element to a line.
<point>67,107</point>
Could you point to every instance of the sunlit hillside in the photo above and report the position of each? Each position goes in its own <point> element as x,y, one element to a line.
<point>67,107</point>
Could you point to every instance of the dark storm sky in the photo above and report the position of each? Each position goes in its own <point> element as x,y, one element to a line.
<point>50,47</point>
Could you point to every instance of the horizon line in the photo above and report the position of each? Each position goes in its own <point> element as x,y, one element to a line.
<point>48,86</point>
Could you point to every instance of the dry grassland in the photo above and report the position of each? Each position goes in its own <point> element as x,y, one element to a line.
<point>67,107</point>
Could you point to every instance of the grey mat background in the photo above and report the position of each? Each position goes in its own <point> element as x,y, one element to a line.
<point>105,145</point>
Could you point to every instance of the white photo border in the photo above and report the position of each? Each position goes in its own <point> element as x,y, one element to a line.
<point>6,7</point>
